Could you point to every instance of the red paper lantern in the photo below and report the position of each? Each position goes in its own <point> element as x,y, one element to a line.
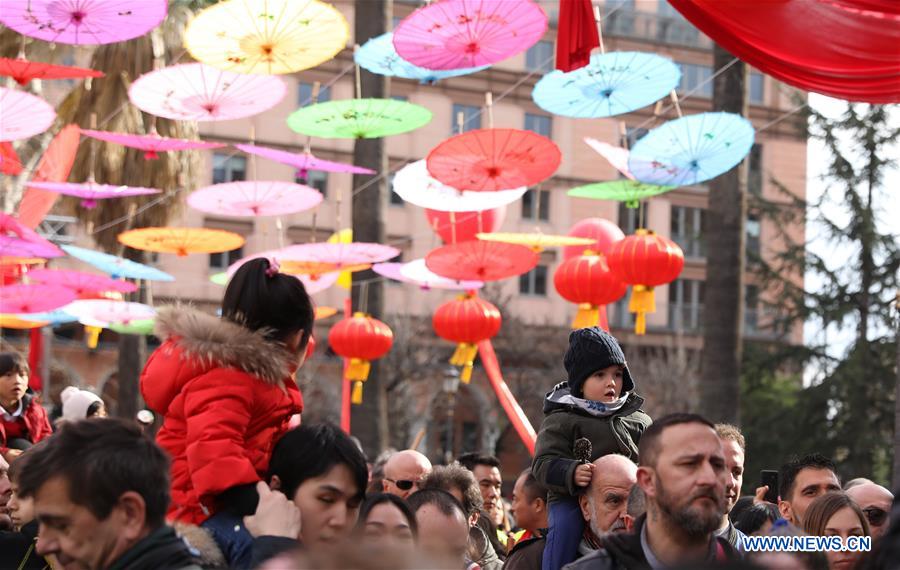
<point>361,339</point>
<point>587,281</point>
<point>466,320</point>
<point>645,260</point>
<point>455,227</point>
<point>605,232</point>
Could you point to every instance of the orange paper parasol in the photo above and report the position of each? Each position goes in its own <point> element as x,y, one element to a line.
<point>181,241</point>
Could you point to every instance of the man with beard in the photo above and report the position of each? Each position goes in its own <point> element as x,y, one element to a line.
<point>682,473</point>
<point>733,445</point>
<point>603,505</point>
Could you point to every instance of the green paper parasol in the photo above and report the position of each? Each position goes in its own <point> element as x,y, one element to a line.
<point>220,278</point>
<point>358,118</point>
<point>142,326</point>
<point>629,191</point>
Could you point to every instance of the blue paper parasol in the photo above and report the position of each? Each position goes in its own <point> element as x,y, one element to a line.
<point>117,266</point>
<point>53,318</point>
<point>612,84</point>
<point>692,149</point>
<point>378,55</point>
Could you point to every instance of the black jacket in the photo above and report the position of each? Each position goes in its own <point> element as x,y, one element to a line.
<point>526,555</point>
<point>162,549</point>
<point>17,549</point>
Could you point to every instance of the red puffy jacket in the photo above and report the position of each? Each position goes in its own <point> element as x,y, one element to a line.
<point>35,418</point>
<point>227,394</point>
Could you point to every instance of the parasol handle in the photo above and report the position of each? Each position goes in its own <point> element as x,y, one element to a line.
<point>252,155</point>
<point>599,27</point>
<point>93,123</point>
<point>489,105</point>
<point>460,122</point>
<point>453,227</point>
<point>623,135</point>
<point>358,79</point>
<point>674,97</point>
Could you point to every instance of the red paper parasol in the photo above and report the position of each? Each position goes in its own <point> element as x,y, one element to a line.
<point>494,159</point>
<point>481,260</point>
<point>9,160</point>
<point>17,240</point>
<point>23,70</point>
<point>23,115</point>
<point>255,198</point>
<point>151,144</point>
<point>54,166</point>
<point>82,282</point>
<point>18,299</point>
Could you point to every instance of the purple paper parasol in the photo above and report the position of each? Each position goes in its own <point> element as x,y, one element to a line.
<point>23,115</point>
<point>82,282</point>
<point>302,161</point>
<point>108,311</point>
<point>84,22</point>
<point>90,192</point>
<point>255,198</point>
<point>17,240</point>
<point>151,144</point>
<point>198,92</point>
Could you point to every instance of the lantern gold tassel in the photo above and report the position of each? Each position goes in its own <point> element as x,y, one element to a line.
<point>642,302</point>
<point>587,316</point>
<point>465,356</point>
<point>356,395</point>
<point>92,335</point>
<point>358,369</point>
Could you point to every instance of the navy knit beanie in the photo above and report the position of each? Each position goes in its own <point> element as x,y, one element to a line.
<point>590,350</point>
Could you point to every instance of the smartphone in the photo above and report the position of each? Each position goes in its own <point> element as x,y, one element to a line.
<point>770,478</point>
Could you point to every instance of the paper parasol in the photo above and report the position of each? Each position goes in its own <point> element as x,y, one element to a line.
<point>378,55</point>
<point>108,312</point>
<point>611,84</point>
<point>18,299</point>
<point>79,281</point>
<point>455,34</point>
<point>151,144</point>
<point>340,255</point>
<point>139,327</point>
<point>536,241</point>
<point>54,166</point>
<point>321,283</point>
<point>219,278</point>
<point>615,155</point>
<point>391,270</point>
<point>90,192</point>
<point>83,22</point>
<point>23,115</point>
<point>266,36</point>
<point>255,198</point>
<point>19,323</point>
<point>315,269</point>
<point>181,241</point>
<point>23,70</point>
<point>117,267</point>
<point>53,318</point>
<point>198,92</point>
<point>324,312</point>
<point>494,159</point>
<point>9,160</point>
<point>481,260</point>
<point>416,186</point>
<point>303,162</point>
<point>692,149</point>
<point>629,191</point>
<point>358,118</point>
<point>17,240</point>
<point>416,271</point>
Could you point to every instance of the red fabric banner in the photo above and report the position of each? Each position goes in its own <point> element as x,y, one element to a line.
<point>849,49</point>
<point>576,34</point>
<point>513,411</point>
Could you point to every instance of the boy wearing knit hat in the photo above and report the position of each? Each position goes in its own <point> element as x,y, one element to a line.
<point>597,402</point>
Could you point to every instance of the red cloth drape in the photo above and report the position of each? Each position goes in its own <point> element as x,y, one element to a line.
<point>36,359</point>
<point>513,411</point>
<point>577,34</point>
<point>849,49</point>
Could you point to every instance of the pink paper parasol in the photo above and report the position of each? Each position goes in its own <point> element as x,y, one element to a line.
<point>90,192</point>
<point>83,22</point>
<point>198,92</point>
<point>151,144</point>
<point>18,299</point>
<point>110,312</point>
<point>23,115</point>
<point>23,70</point>
<point>455,34</point>
<point>255,198</point>
<point>17,240</point>
<point>318,283</point>
<point>338,254</point>
<point>303,162</point>
<point>417,272</point>
<point>615,155</point>
<point>82,282</point>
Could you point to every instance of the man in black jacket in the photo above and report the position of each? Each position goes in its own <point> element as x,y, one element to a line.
<point>682,473</point>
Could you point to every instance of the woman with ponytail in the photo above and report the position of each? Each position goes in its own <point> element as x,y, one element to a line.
<point>225,388</point>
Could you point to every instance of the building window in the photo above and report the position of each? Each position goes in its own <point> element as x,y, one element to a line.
<point>471,118</point>
<point>534,282</point>
<point>222,261</point>
<point>305,94</point>
<point>687,230</point>
<point>755,170</point>
<point>539,57</point>
<point>536,209</point>
<point>751,308</point>
<point>685,304</point>
<point>752,230</point>
<point>315,179</point>
<point>692,76</point>
<point>229,168</point>
<point>540,124</point>
<point>756,91</point>
<point>628,219</point>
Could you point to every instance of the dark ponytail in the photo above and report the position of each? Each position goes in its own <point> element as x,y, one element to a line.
<point>258,297</point>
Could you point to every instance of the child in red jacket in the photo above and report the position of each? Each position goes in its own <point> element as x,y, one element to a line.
<point>225,388</point>
<point>23,421</point>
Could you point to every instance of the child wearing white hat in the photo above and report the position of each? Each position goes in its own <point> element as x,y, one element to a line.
<point>80,404</point>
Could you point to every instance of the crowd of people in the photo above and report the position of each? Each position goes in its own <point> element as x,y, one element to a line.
<point>234,479</point>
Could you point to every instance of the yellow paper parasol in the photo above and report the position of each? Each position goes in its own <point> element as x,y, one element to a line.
<point>181,241</point>
<point>15,322</point>
<point>536,241</point>
<point>267,36</point>
<point>325,312</point>
<point>315,269</point>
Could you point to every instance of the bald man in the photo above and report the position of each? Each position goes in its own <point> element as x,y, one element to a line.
<point>875,501</point>
<point>603,504</point>
<point>404,471</point>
